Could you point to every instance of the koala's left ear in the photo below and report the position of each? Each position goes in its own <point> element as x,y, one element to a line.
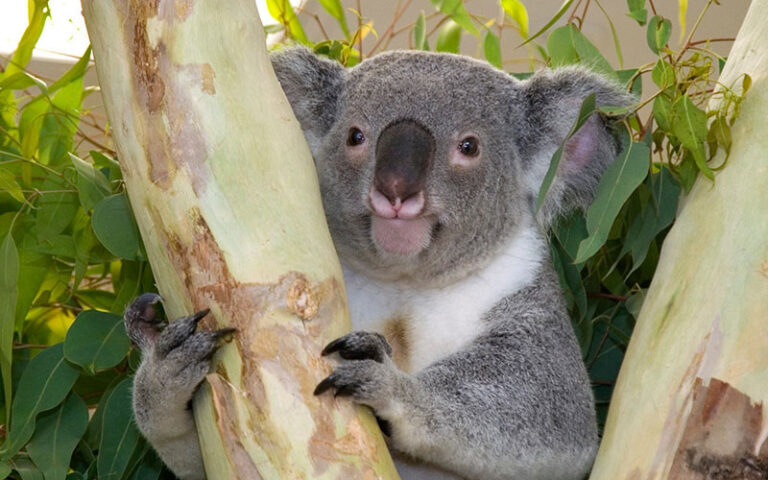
<point>313,86</point>
<point>550,102</point>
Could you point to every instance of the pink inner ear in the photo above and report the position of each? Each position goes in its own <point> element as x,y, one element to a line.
<point>581,148</point>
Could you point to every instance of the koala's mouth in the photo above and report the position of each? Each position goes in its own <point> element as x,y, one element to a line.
<point>401,236</point>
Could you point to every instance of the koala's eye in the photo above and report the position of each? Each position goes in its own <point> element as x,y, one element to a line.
<point>470,147</point>
<point>356,137</point>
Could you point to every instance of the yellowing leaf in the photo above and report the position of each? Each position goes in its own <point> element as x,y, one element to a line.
<point>517,12</point>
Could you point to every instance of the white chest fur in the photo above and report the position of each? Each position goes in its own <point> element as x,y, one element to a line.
<point>439,321</point>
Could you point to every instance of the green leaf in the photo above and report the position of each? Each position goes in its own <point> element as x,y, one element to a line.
<point>517,12</point>
<point>119,436</point>
<point>96,341</point>
<point>30,125</point>
<point>570,231</point>
<point>689,125</point>
<point>719,135</point>
<point>620,179</point>
<point>32,270</point>
<point>568,46</point>
<point>682,9</point>
<point>637,11</point>
<point>55,212</point>
<point>150,467</point>
<point>666,193</point>
<point>9,184</point>
<point>60,125</point>
<point>22,80</point>
<point>449,37</point>
<point>492,49</point>
<point>455,9</point>
<point>560,12</point>
<point>5,470</point>
<point>587,109</point>
<point>663,74</point>
<point>282,11</point>
<point>26,469</point>
<point>658,33</point>
<point>75,72</point>
<point>336,10</point>
<point>420,33</point>
<point>9,277</point>
<point>56,435</point>
<point>115,227</point>
<point>44,384</point>
<point>92,185</point>
<point>23,53</point>
<point>102,162</point>
<point>662,112</point>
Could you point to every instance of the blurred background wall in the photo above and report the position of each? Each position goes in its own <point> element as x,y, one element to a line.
<point>65,39</point>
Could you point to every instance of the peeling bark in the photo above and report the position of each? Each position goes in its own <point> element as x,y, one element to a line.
<point>689,398</point>
<point>226,198</point>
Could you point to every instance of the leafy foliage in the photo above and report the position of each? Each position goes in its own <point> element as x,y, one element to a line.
<point>71,255</point>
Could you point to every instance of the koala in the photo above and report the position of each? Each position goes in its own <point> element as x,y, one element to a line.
<point>429,166</point>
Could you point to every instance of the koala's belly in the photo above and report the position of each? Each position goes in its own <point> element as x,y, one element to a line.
<point>424,325</point>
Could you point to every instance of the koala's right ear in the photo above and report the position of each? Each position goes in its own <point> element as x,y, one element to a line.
<point>313,86</point>
<point>550,102</point>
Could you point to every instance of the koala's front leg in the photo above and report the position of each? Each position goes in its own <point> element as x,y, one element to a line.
<point>175,359</point>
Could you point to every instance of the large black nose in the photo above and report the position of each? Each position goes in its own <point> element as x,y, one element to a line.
<point>404,154</point>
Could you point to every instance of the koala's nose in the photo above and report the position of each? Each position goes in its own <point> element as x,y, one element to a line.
<point>404,154</point>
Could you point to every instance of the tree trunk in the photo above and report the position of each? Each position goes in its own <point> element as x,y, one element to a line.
<point>688,402</point>
<point>226,197</point>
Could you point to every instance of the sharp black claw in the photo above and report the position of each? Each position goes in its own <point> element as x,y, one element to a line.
<point>201,314</point>
<point>225,333</point>
<point>325,385</point>
<point>334,346</point>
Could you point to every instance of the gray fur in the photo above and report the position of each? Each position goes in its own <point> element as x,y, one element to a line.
<point>511,398</point>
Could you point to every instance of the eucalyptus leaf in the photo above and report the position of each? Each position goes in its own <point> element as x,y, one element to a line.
<point>44,384</point>
<point>9,277</point>
<point>449,37</point>
<point>9,184</point>
<point>283,12</point>
<point>56,435</point>
<point>658,33</point>
<point>336,10</point>
<point>568,46</point>
<point>115,227</point>
<point>92,185</point>
<point>26,469</point>
<point>560,12</point>
<point>620,179</point>
<point>420,33</point>
<point>689,124</point>
<point>517,12</point>
<point>637,11</point>
<point>458,13</point>
<point>96,341</point>
<point>119,436</point>
<point>492,49</point>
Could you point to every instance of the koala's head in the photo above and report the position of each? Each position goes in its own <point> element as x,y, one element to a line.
<point>429,163</point>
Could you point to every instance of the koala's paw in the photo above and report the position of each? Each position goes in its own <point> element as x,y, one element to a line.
<point>175,354</point>
<point>360,346</point>
<point>367,374</point>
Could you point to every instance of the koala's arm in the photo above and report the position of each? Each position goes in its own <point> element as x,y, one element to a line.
<point>515,403</point>
<point>175,360</point>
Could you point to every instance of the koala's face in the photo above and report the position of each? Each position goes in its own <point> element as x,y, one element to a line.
<point>418,172</point>
<point>429,163</point>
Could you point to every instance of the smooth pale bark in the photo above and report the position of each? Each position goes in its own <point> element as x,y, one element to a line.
<point>226,197</point>
<point>688,398</point>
